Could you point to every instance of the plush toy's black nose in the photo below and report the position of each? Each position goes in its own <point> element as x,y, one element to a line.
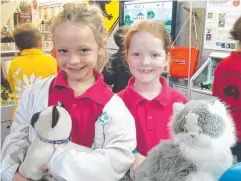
<point>192,135</point>
<point>55,116</point>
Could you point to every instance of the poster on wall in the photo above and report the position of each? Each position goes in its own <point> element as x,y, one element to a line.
<point>148,10</point>
<point>110,9</point>
<point>220,18</point>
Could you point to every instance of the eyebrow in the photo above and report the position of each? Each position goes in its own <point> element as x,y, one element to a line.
<point>157,51</point>
<point>152,51</point>
<point>80,46</point>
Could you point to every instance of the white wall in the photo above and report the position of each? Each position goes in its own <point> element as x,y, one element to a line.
<point>7,10</point>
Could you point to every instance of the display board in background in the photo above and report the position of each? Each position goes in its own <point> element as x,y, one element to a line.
<point>156,10</point>
<point>220,18</point>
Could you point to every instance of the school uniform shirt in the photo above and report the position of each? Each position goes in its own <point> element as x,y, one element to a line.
<point>113,141</point>
<point>227,86</point>
<point>151,116</point>
<point>31,66</point>
<point>84,109</point>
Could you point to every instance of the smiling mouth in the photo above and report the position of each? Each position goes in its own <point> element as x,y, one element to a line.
<point>145,71</point>
<point>76,69</point>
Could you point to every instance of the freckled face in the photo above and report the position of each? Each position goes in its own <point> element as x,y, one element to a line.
<point>146,57</point>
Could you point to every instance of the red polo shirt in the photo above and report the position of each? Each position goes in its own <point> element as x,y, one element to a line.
<point>152,117</point>
<point>84,109</point>
<point>227,86</point>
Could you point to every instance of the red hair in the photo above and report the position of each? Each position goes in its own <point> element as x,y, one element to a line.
<point>155,28</point>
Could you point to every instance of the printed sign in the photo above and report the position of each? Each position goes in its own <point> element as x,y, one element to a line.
<point>155,11</point>
<point>220,18</point>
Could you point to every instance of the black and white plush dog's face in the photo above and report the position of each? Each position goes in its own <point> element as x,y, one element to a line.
<point>53,123</point>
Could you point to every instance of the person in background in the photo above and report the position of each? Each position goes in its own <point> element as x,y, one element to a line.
<point>148,95</point>
<point>119,73</point>
<point>227,84</point>
<point>100,118</point>
<point>32,65</point>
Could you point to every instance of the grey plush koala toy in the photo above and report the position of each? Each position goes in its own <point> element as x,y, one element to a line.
<point>203,133</point>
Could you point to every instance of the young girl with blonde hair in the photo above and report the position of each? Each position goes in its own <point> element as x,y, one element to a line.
<point>100,119</point>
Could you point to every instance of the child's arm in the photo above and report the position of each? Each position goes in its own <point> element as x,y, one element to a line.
<point>139,158</point>
<point>113,156</point>
<point>16,143</point>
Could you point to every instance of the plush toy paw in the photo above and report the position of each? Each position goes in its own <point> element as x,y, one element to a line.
<point>34,174</point>
<point>232,174</point>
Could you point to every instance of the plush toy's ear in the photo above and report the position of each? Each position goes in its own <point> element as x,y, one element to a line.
<point>35,118</point>
<point>61,104</point>
<point>177,106</point>
<point>218,107</point>
<point>55,116</point>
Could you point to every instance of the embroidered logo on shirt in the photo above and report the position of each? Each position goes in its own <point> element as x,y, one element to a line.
<point>232,89</point>
<point>103,117</point>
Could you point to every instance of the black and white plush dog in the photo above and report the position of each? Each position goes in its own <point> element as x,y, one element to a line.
<point>53,126</point>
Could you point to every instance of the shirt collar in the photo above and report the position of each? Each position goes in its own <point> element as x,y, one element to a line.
<point>60,80</point>
<point>32,51</point>
<point>163,98</point>
<point>99,92</point>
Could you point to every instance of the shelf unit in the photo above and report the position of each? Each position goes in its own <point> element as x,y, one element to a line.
<point>201,82</point>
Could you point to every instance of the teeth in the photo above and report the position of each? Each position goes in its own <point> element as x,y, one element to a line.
<point>145,71</point>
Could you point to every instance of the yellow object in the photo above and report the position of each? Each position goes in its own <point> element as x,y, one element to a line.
<point>112,9</point>
<point>32,65</point>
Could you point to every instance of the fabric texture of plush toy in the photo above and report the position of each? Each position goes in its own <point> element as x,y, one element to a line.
<point>203,133</point>
<point>53,126</point>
